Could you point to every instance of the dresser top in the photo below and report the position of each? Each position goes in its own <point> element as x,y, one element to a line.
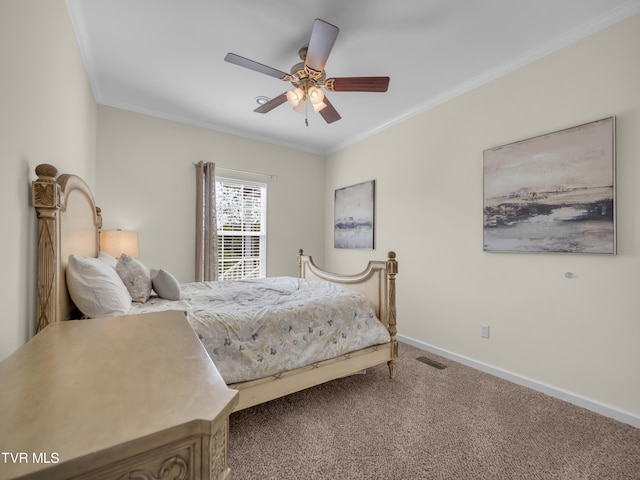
<point>81,387</point>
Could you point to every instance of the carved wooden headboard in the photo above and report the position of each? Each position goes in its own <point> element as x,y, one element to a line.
<point>68,222</point>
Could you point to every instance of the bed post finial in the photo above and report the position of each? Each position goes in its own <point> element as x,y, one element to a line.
<point>300,253</point>
<point>99,220</point>
<point>44,170</point>
<point>392,270</point>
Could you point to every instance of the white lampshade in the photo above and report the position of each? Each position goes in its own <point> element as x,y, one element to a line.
<point>316,95</point>
<point>301,107</point>
<point>117,242</point>
<point>295,96</point>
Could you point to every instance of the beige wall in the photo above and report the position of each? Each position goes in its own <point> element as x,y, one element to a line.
<point>146,183</point>
<point>576,335</point>
<point>47,115</point>
<point>579,335</point>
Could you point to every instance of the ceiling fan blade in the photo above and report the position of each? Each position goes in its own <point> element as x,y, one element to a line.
<point>258,67</point>
<point>323,36</point>
<point>271,104</point>
<point>357,84</point>
<point>329,113</point>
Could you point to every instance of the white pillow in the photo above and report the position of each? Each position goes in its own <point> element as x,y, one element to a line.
<point>135,276</point>
<point>108,259</point>
<point>96,288</point>
<point>165,284</point>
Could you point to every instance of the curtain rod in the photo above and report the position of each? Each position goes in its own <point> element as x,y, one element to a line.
<point>268,175</point>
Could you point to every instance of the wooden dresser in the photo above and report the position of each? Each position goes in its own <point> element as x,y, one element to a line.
<point>124,398</point>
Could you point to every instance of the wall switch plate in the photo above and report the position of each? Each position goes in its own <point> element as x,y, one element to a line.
<point>484,331</point>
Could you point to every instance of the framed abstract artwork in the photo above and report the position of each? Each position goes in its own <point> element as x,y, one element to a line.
<point>354,215</point>
<point>552,193</point>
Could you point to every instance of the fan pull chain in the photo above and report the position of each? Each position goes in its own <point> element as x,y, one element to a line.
<point>306,114</point>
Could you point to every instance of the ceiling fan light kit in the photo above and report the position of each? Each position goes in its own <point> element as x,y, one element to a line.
<point>308,77</point>
<point>316,95</point>
<point>295,96</point>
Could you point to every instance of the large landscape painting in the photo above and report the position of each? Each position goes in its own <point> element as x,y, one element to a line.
<point>552,193</point>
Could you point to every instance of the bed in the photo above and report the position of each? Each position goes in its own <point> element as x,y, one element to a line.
<point>68,227</point>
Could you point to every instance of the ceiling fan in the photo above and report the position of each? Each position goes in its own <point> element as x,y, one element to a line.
<point>308,77</point>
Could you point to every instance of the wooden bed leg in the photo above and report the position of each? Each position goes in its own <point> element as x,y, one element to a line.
<point>392,270</point>
<point>392,363</point>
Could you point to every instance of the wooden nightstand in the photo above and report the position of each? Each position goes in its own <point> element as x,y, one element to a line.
<point>120,398</point>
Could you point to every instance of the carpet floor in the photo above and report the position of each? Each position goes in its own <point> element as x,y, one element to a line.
<point>428,423</point>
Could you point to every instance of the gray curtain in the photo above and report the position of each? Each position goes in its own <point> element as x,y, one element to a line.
<point>206,228</point>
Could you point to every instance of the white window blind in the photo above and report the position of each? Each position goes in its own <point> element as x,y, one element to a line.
<point>241,212</point>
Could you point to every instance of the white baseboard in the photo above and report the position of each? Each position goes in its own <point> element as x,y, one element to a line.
<point>610,411</point>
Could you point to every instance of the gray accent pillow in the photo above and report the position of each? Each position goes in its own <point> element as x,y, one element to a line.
<point>135,276</point>
<point>165,284</point>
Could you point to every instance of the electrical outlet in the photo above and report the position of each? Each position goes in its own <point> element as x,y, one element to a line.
<point>484,330</point>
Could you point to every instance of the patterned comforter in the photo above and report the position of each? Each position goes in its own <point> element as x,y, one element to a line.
<point>256,328</point>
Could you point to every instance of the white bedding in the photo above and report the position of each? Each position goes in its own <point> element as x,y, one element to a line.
<point>256,328</point>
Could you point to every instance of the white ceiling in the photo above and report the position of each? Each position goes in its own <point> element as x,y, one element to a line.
<point>165,57</point>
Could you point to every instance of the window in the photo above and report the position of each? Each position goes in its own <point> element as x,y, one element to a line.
<point>241,212</point>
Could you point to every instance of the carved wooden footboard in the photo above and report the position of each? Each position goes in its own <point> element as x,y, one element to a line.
<point>377,283</point>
